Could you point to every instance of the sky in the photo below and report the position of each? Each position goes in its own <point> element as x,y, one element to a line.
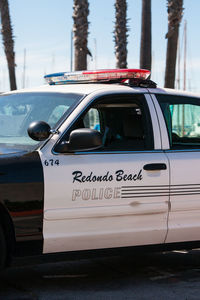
<point>42,35</point>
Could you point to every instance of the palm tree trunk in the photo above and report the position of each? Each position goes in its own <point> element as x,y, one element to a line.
<point>175,13</point>
<point>120,33</point>
<point>80,29</point>
<point>8,42</point>
<point>145,46</point>
<point>170,71</point>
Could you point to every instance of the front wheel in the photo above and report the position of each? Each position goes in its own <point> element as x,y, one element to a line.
<point>2,249</point>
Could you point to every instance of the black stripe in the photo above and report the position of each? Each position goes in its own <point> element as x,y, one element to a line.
<point>128,190</point>
<point>154,192</point>
<point>194,188</point>
<point>161,186</point>
<point>125,193</point>
<point>146,186</point>
<point>157,195</point>
<point>187,191</point>
<point>193,193</point>
<point>146,196</point>
<point>185,184</point>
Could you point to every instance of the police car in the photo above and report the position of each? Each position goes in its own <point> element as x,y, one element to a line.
<point>98,160</point>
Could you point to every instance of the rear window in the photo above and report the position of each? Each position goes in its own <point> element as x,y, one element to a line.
<point>182,117</point>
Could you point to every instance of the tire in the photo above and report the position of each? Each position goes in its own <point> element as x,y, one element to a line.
<point>2,249</point>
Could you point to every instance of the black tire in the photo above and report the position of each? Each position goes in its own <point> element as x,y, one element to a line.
<point>2,249</point>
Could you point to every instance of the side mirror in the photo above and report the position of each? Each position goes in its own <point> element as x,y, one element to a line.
<point>39,130</point>
<point>82,139</point>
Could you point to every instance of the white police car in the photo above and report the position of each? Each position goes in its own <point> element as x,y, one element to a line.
<point>109,161</point>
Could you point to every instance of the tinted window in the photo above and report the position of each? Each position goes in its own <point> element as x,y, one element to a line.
<point>123,121</point>
<point>182,116</point>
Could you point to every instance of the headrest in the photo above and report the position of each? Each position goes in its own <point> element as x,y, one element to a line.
<point>133,126</point>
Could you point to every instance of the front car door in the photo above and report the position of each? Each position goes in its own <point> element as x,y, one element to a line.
<point>116,196</point>
<point>182,119</point>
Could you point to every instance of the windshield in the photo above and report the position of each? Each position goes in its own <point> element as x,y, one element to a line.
<point>17,111</point>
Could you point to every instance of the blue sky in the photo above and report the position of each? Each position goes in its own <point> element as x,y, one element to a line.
<point>43,28</point>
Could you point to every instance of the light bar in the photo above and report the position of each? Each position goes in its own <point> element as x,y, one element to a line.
<point>97,76</point>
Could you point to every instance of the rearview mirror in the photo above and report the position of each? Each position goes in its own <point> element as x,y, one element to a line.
<point>82,139</point>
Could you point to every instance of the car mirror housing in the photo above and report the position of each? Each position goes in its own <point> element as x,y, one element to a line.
<point>83,139</point>
<point>39,130</point>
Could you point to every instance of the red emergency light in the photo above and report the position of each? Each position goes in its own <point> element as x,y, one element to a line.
<point>106,75</point>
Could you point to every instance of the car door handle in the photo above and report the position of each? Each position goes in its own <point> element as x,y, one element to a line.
<point>155,167</point>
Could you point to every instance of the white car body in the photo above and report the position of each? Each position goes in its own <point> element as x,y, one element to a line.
<point>121,198</point>
<point>74,220</point>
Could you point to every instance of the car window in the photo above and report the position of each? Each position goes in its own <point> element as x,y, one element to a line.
<point>123,122</point>
<point>92,119</point>
<point>57,113</point>
<point>182,117</point>
<point>18,110</point>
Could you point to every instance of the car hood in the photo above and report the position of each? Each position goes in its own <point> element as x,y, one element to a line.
<point>4,151</point>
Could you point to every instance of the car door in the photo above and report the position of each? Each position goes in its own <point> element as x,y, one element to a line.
<point>182,117</point>
<point>115,196</point>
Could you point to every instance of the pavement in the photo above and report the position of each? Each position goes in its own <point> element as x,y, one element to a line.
<point>166,275</point>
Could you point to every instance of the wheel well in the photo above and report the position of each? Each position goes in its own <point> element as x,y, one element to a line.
<point>8,228</point>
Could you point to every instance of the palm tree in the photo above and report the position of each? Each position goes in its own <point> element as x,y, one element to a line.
<point>145,46</point>
<point>175,13</point>
<point>8,41</point>
<point>80,29</point>
<point>120,33</point>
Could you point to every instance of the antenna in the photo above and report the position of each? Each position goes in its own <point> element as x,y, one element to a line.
<point>24,69</point>
<point>95,53</point>
<point>179,63</point>
<point>71,52</point>
<point>185,54</point>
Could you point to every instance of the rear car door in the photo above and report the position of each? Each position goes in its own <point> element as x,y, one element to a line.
<point>112,197</point>
<point>182,119</point>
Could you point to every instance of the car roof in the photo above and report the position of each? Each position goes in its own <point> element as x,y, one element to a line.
<point>84,89</point>
<point>88,88</point>
<point>173,92</point>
